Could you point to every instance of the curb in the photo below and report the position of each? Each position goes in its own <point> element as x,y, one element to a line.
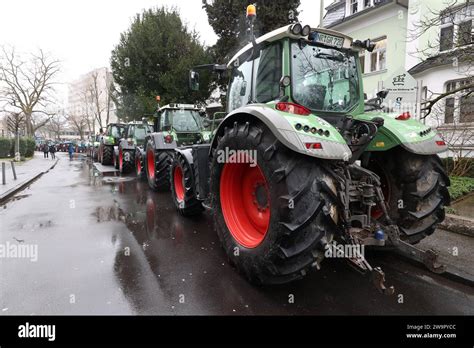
<point>8,194</point>
<point>458,224</point>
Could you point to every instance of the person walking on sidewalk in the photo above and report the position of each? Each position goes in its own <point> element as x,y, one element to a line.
<point>70,150</point>
<point>45,150</point>
<point>52,150</point>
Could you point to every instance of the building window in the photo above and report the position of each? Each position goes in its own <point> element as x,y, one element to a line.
<point>465,33</point>
<point>449,110</point>
<point>446,38</point>
<point>362,61</point>
<point>375,60</point>
<point>462,101</point>
<point>353,6</point>
<point>368,3</point>
<point>456,27</point>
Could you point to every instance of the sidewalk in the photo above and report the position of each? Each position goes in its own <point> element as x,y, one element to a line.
<point>25,172</point>
<point>455,250</point>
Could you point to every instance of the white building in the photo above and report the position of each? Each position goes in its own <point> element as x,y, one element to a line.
<point>434,57</point>
<point>89,97</point>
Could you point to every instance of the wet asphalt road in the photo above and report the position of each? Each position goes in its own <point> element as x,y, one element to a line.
<point>108,245</point>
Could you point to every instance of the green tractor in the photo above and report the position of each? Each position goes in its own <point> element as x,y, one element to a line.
<point>132,143</point>
<point>108,142</point>
<point>175,125</point>
<point>94,148</point>
<point>298,167</point>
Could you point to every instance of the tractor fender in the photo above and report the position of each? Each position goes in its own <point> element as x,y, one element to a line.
<point>285,132</point>
<point>159,141</point>
<point>410,134</point>
<point>126,146</point>
<point>187,154</point>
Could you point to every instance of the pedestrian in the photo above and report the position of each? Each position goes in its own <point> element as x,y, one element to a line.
<point>52,150</point>
<point>71,150</point>
<point>45,150</point>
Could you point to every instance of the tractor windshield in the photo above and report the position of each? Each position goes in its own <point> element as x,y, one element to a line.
<point>186,120</point>
<point>116,131</point>
<point>324,79</point>
<point>141,131</point>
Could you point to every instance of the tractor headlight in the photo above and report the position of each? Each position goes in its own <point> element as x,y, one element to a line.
<point>296,29</point>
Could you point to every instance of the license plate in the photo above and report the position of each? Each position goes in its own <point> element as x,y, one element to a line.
<point>329,40</point>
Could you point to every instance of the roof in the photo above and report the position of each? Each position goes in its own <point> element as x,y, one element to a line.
<point>283,32</point>
<point>336,12</point>
<point>179,106</point>
<point>444,58</point>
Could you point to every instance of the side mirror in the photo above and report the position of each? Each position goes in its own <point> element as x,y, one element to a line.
<point>194,80</point>
<point>369,45</point>
<point>382,94</point>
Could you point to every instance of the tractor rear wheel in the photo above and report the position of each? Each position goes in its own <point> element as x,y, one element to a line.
<point>273,217</point>
<point>157,164</point>
<point>182,187</point>
<point>415,188</point>
<point>125,166</point>
<point>107,154</point>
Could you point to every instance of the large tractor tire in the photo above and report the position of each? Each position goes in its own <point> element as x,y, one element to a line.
<point>125,166</point>
<point>275,218</point>
<point>140,170</point>
<point>415,188</point>
<point>157,164</point>
<point>115,160</point>
<point>107,155</point>
<point>182,187</point>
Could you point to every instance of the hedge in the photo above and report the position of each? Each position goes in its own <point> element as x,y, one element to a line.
<point>5,145</point>
<point>448,164</point>
<point>460,186</point>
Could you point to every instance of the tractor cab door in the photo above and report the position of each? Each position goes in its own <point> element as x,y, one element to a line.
<point>164,121</point>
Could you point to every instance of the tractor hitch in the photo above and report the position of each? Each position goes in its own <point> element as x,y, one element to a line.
<point>374,274</point>
<point>429,257</point>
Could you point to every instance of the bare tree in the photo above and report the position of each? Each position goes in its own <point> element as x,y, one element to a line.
<point>28,85</point>
<point>78,122</point>
<point>56,125</point>
<point>100,98</point>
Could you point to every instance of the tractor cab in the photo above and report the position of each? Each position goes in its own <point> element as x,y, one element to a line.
<point>113,133</point>
<point>136,131</point>
<point>182,123</point>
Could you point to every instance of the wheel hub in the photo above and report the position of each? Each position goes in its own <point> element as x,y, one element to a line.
<point>261,197</point>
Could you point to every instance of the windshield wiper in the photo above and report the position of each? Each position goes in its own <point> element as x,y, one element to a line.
<point>329,56</point>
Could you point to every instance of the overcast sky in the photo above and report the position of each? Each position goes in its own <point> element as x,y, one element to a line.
<point>82,33</point>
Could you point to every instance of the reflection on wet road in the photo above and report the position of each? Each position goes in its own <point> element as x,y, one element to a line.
<point>109,245</point>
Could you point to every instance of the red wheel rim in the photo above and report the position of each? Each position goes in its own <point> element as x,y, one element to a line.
<point>178,183</point>
<point>245,202</point>
<point>150,159</point>
<point>120,158</point>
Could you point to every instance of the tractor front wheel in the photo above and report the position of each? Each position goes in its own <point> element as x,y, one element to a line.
<point>182,187</point>
<point>126,161</point>
<point>107,154</point>
<point>157,164</point>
